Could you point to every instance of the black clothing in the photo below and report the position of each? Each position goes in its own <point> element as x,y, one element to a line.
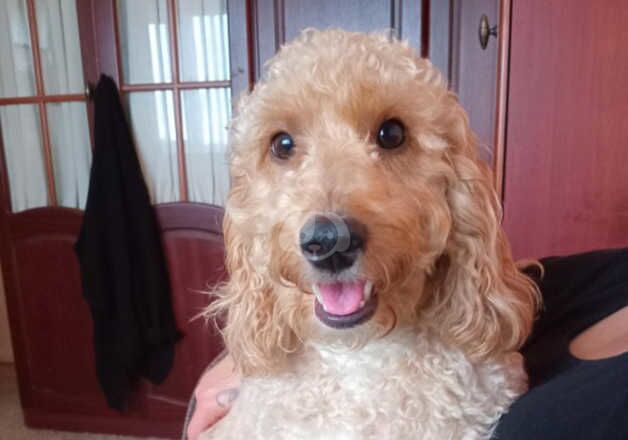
<point>122,264</point>
<point>572,398</point>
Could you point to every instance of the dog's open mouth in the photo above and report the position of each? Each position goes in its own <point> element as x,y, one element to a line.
<point>344,304</point>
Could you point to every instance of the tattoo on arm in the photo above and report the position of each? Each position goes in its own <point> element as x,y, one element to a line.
<point>226,397</point>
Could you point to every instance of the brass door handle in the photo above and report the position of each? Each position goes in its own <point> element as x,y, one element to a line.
<point>89,91</point>
<point>485,31</point>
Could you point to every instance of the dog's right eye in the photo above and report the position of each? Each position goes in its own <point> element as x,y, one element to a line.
<point>282,145</point>
<point>391,134</point>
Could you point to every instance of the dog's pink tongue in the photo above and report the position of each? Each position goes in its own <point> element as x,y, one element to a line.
<point>342,298</point>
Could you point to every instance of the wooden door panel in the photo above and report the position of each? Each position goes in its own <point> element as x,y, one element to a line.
<point>55,342</point>
<point>193,243</point>
<point>566,185</point>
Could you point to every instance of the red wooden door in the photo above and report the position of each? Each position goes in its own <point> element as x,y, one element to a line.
<point>46,149</point>
<point>566,183</point>
<point>179,122</point>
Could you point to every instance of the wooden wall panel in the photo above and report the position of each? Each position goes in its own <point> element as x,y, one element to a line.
<point>474,70</point>
<point>274,22</point>
<point>438,42</point>
<point>351,15</point>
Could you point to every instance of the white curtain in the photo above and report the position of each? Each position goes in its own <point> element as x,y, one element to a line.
<point>17,77</point>
<point>203,40</point>
<point>145,41</point>
<point>206,114</point>
<point>59,46</point>
<point>152,118</point>
<point>24,159</point>
<point>204,48</point>
<point>68,130</point>
<point>19,124</point>
<point>71,152</point>
<point>204,56</point>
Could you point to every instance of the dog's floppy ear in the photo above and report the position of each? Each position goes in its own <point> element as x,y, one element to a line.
<point>247,304</point>
<point>255,335</point>
<point>484,303</point>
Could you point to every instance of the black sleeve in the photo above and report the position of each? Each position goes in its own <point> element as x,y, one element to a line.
<point>571,398</point>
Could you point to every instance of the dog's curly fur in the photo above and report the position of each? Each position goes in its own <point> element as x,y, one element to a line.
<point>439,358</point>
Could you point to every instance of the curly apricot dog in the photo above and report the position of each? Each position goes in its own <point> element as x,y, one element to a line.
<point>372,293</point>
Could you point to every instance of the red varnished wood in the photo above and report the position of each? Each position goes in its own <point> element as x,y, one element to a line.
<point>501,104</point>
<point>87,29</point>
<point>190,215</point>
<point>87,33</point>
<point>104,22</point>
<point>150,87</point>
<point>52,327</point>
<point>566,183</point>
<point>45,99</point>
<point>173,25</point>
<point>192,237</point>
<point>50,321</point>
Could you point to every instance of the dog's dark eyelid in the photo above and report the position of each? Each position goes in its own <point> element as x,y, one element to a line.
<point>282,145</point>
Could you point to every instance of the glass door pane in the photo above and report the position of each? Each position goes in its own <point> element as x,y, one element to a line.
<point>206,114</point>
<point>71,152</point>
<point>152,118</point>
<point>59,46</point>
<point>17,77</point>
<point>24,156</point>
<point>203,40</point>
<point>145,41</point>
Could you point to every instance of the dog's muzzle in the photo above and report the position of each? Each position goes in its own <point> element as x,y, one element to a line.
<point>332,244</point>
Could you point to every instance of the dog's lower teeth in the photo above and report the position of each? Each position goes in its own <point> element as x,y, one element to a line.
<point>368,289</point>
<point>362,303</point>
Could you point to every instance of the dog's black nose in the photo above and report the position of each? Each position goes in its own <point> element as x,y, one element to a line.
<point>332,243</point>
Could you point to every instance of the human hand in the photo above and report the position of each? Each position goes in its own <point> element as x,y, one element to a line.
<point>214,394</point>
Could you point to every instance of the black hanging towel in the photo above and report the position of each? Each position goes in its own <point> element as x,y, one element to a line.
<point>122,263</point>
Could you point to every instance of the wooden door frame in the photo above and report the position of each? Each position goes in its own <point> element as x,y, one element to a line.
<point>501,107</point>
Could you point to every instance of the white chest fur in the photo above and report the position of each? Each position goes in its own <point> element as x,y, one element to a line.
<point>404,386</point>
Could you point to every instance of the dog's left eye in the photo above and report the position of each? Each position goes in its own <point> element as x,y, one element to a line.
<point>391,134</point>
<point>281,145</point>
